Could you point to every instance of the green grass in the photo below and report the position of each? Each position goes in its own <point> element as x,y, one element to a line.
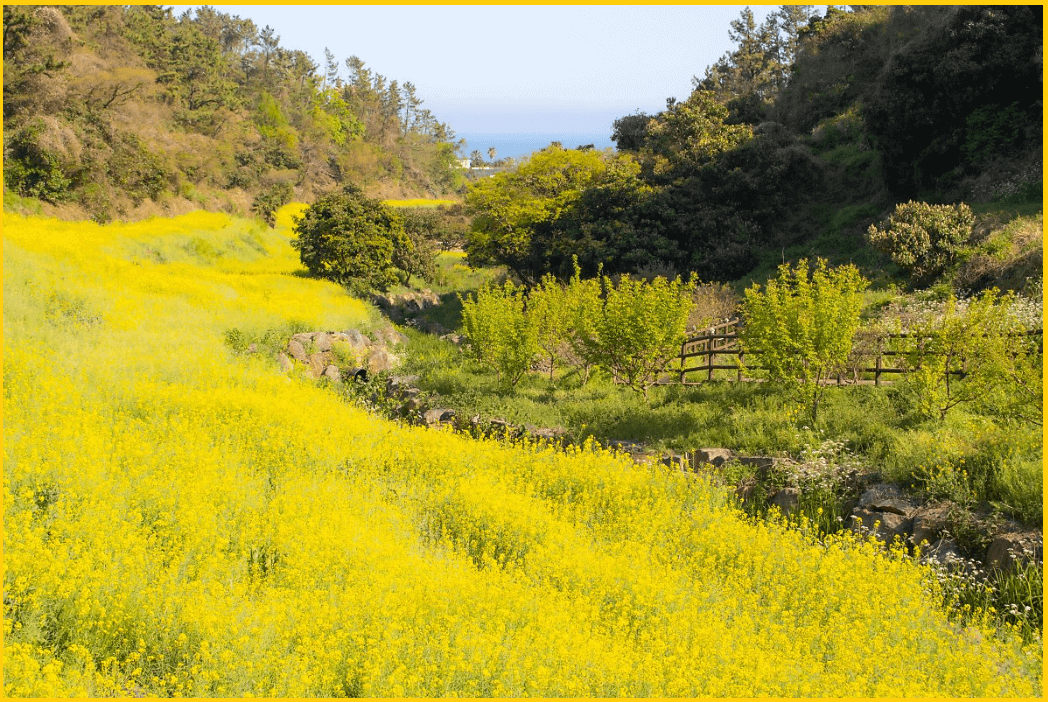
<point>970,459</point>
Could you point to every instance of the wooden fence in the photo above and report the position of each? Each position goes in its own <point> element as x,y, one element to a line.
<point>714,345</point>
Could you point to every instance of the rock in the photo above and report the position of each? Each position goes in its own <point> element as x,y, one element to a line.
<point>547,433</point>
<point>456,339</point>
<point>644,458</point>
<point>252,348</point>
<point>675,461</point>
<point>321,342</point>
<point>928,523</point>
<point>333,374</point>
<point>383,302</point>
<point>401,385</point>
<point>1008,550</point>
<point>297,351</point>
<point>380,360</point>
<point>746,489</point>
<point>390,337</point>
<point>885,497</point>
<point>943,552</point>
<point>434,417</point>
<point>714,456</point>
<point>414,404</point>
<point>285,363</point>
<point>303,337</point>
<point>890,524</point>
<point>764,462</point>
<point>358,340</point>
<point>788,500</point>
<point>317,364</point>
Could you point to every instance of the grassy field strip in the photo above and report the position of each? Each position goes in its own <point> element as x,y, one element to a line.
<point>179,520</point>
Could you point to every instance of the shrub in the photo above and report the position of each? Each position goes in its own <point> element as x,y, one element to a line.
<point>549,312</point>
<point>801,326</point>
<point>969,354</point>
<point>350,238</point>
<point>641,328</point>
<point>268,201</point>
<point>500,333</point>
<point>423,229</point>
<point>583,308</point>
<point>923,238</point>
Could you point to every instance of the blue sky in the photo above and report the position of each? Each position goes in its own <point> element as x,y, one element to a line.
<point>518,69</point>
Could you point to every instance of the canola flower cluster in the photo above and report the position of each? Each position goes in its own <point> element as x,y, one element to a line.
<point>180,521</point>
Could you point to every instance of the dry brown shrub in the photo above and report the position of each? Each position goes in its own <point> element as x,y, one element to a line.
<point>713,304</point>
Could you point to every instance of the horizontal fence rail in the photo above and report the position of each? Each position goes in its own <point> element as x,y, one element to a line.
<point>722,341</point>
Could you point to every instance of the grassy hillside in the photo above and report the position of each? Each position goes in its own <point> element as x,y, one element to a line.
<point>180,520</point>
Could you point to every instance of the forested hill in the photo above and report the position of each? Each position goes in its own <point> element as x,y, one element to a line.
<point>812,128</point>
<point>125,111</point>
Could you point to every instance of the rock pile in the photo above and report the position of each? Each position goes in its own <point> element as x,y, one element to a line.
<point>405,305</point>
<point>340,355</point>
<point>882,509</point>
<point>404,400</point>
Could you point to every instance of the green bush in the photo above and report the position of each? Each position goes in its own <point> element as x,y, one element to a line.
<point>351,239</point>
<point>974,355</point>
<point>584,305</point>
<point>500,333</point>
<point>923,238</point>
<point>268,201</point>
<point>31,170</point>
<point>424,229</point>
<point>641,328</point>
<point>549,311</point>
<point>801,327</point>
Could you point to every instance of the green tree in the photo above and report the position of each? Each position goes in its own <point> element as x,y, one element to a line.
<point>584,305</point>
<point>423,229</point>
<point>641,328</point>
<point>972,354</point>
<point>548,310</point>
<point>800,327</point>
<point>924,239</point>
<point>351,239</point>
<point>690,134</point>
<point>508,207</point>
<point>500,333</point>
<point>268,201</point>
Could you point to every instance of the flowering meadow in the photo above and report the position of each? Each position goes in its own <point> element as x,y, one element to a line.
<point>183,521</point>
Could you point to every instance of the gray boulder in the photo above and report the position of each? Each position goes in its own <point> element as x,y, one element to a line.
<point>1009,550</point>
<point>928,523</point>
<point>713,456</point>
<point>358,340</point>
<point>333,374</point>
<point>943,552</point>
<point>437,416</point>
<point>885,497</point>
<point>788,500</point>
<point>888,524</point>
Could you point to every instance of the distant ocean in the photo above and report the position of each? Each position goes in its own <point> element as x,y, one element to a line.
<point>518,145</point>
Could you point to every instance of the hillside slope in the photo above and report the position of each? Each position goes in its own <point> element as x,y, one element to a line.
<point>182,520</point>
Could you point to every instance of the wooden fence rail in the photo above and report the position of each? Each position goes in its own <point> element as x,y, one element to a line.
<point>723,340</point>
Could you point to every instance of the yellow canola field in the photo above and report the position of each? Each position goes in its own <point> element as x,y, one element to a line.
<point>180,520</point>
